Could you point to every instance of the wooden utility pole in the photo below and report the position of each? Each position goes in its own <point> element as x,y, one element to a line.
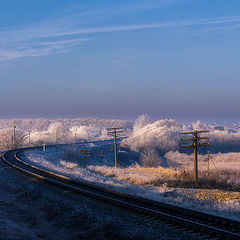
<point>29,140</point>
<point>195,143</point>
<point>113,132</point>
<point>14,136</point>
<point>101,154</point>
<point>56,136</point>
<point>85,153</point>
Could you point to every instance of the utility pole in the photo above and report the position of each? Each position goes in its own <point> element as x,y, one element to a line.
<point>14,136</point>
<point>56,136</point>
<point>85,153</point>
<point>196,142</point>
<point>29,140</point>
<point>113,132</point>
<point>101,154</point>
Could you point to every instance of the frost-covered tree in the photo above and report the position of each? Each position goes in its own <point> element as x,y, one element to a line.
<point>10,141</point>
<point>54,134</point>
<point>162,135</point>
<point>140,122</point>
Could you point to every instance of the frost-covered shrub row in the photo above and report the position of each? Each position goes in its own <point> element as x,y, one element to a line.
<point>56,131</point>
<point>162,135</point>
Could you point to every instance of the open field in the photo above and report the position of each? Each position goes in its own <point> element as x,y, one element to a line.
<point>217,191</point>
<point>151,162</point>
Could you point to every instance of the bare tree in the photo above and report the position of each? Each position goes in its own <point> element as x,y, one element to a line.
<point>70,149</point>
<point>150,158</point>
<point>11,139</point>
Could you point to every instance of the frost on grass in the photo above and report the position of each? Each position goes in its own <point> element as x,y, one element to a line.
<point>169,184</point>
<point>68,165</point>
<point>151,161</point>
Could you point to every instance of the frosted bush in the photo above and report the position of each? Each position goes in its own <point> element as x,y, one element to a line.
<point>53,134</point>
<point>163,135</point>
<point>150,158</point>
<point>85,132</point>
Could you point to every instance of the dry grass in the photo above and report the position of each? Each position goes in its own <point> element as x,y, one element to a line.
<point>216,195</point>
<point>216,179</point>
<point>159,170</point>
<point>227,182</point>
<point>221,179</point>
<point>136,175</point>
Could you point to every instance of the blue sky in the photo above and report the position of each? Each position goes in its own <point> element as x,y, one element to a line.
<point>118,59</point>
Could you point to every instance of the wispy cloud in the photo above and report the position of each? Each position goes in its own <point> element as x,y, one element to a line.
<point>138,6</point>
<point>48,32</point>
<point>131,7</point>
<point>217,49</point>
<point>171,24</point>
<point>41,49</point>
<point>155,4</point>
<point>64,34</point>
<point>71,42</point>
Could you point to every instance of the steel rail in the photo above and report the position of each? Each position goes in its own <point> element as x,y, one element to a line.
<point>202,222</point>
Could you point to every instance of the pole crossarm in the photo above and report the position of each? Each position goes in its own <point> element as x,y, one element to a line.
<point>118,137</point>
<point>187,139</point>
<point>203,144</point>
<point>196,131</point>
<point>85,151</point>
<point>115,129</point>
<point>113,133</point>
<point>187,146</point>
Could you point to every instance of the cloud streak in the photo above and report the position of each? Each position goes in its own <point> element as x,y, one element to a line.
<point>44,48</point>
<point>42,32</point>
<point>105,29</point>
<point>54,36</point>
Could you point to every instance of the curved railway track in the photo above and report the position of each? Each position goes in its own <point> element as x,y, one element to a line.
<point>198,222</point>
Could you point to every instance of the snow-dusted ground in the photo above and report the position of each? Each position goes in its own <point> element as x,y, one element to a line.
<point>102,160</point>
<point>33,210</point>
<point>144,136</point>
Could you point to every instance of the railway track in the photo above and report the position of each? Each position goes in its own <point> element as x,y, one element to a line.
<point>207,225</point>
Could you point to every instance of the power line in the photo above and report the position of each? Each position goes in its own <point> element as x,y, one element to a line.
<point>14,136</point>
<point>29,138</point>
